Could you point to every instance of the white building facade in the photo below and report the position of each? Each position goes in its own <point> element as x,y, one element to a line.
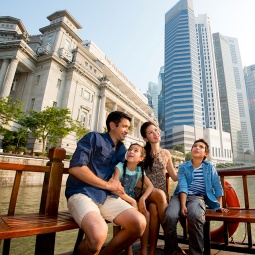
<point>55,68</point>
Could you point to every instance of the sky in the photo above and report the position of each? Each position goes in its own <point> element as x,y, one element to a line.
<point>131,32</point>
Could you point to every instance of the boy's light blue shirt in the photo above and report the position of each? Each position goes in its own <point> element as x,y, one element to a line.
<point>212,182</point>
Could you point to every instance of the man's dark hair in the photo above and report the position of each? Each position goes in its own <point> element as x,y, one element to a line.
<point>116,117</point>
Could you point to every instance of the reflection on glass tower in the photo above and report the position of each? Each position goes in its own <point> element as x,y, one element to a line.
<point>191,93</point>
<point>182,82</point>
<point>228,96</point>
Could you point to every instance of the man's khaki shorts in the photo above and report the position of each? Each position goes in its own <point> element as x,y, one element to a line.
<point>79,205</point>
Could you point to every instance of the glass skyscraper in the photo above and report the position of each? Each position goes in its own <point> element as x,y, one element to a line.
<point>161,98</point>
<point>192,102</point>
<point>249,76</point>
<point>182,80</point>
<point>208,74</point>
<point>153,91</point>
<point>241,94</point>
<point>228,95</point>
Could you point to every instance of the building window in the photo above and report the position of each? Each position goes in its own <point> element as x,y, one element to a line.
<point>32,104</point>
<point>55,104</point>
<point>50,39</point>
<point>59,84</point>
<point>81,91</point>
<point>67,45</point>
<point>86,95</point>
<point>83,119</point>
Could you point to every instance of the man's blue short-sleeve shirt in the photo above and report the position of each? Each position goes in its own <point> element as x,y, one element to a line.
<point>95,151</point>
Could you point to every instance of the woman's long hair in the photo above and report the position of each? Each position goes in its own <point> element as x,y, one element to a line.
<point>148,161</point>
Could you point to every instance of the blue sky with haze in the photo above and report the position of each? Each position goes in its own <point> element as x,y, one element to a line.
<point>131,32</point>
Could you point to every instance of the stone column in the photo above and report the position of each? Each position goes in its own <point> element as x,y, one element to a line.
<point>114,107</point>
<point>55,46</point>
<point>6,88</point>
<point>95,112</point>
<point>27,91</point>
<point>101,119</point>
<point>3,71</point>
<point>133,125</point>
<point>138,129</point>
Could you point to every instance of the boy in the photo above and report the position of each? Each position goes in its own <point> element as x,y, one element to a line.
<point>198,185</point>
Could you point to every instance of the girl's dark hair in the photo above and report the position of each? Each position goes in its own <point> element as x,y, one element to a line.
<point>148,161</point>
<point>139,164</point>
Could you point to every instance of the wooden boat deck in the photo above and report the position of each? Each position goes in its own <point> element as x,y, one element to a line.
<point>160,250</point>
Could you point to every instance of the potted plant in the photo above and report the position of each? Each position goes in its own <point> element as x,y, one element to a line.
<point>10,148</point>
<point>21,150</point>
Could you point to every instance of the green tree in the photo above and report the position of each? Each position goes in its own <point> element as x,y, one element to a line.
<point>16,138</point>
<point>80,131</point>
<point>21,137</point>
<point>50,124</point>
<point>179,147</point>
<point>188,156</point>
<point>9,110</point>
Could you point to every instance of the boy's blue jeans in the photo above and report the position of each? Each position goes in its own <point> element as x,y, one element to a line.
<point>196,219</point>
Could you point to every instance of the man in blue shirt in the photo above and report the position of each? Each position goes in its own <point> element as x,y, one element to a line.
<point>89,186</point>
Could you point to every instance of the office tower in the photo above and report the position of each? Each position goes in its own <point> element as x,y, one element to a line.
<point>249,76</point>
<point>208,74</point>
<point>148,95</point>
<point>183,105</point>
<point>153,90</point>
<point>192,105</point>
<point>241,94</point>
<point>161,99</point>
<point>212,122</point>
<point>228,95</point>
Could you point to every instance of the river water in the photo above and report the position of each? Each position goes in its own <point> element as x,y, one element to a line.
<point>28,202</point>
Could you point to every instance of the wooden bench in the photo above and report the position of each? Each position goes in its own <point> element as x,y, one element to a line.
<point>48,220</point>
<point>244,214</point>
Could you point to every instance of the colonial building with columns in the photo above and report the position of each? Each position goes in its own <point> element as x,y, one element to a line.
<point>56,68</point>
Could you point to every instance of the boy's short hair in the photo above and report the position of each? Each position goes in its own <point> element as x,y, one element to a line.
<point>201,140</point>
<point>116,117</point>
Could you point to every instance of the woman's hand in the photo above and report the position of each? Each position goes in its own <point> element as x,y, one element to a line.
<point>142,205</point>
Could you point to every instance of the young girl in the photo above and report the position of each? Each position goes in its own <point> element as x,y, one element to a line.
<point>129,173</point>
